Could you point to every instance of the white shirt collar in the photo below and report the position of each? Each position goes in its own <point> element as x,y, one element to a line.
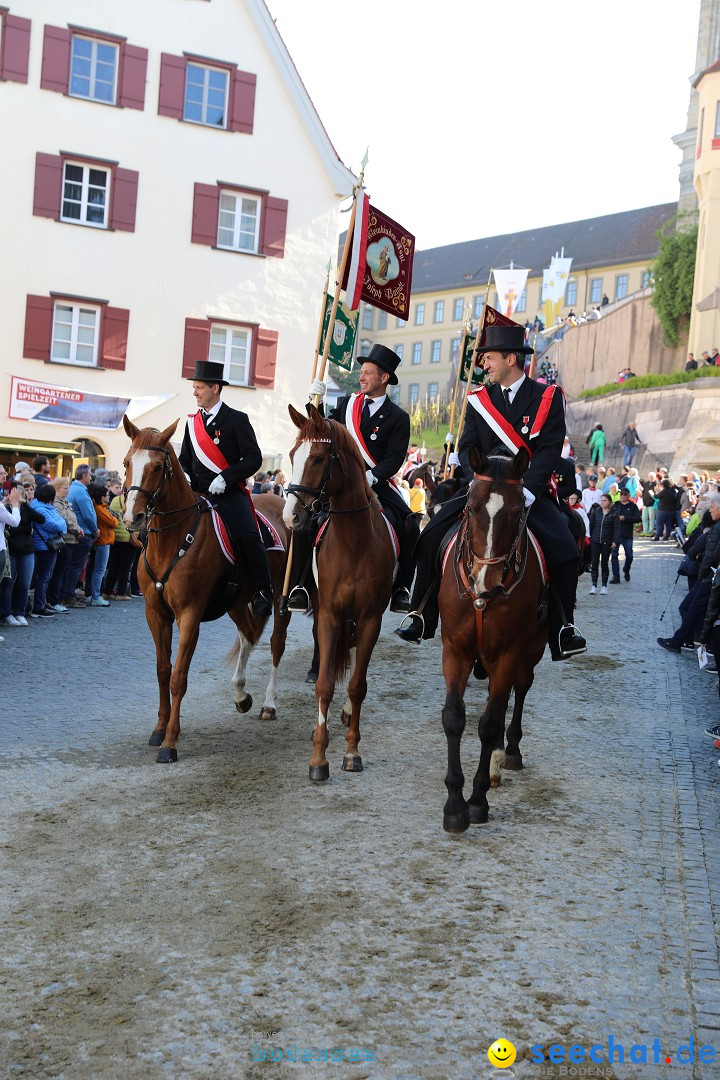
<point>212,412</point>
<point>514,388</point>
<point>376,403</point>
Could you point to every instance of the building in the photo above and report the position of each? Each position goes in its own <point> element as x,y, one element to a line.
<point>611,255</point>
<point>705,314</point>
<point>708,50</point>
<point>174,197</point>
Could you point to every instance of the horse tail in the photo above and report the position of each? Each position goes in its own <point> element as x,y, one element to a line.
<point>341,659</point>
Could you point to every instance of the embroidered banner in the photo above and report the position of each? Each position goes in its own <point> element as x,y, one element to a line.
<point>342,345</point>
<point>380,269</point>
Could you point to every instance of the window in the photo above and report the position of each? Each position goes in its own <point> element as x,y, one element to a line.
<point>435,352</point>
<point>701,125</point>
<point>621,286</point>
<point>206,91</point>
<point>596,290</point>
<point>646,279</point>
<point>432,391</point>
<point>93,68</point>
<point>365,347</point>
<point>211,92</point>
<point>238,221</point>
<point>399,350</point>
<point>367,319</point>
<point>85,195</point>
<point>248,221</point>
<point>413,393</point>
<point>394,394</point>
<point>439,311</point>
<point>75,334</point>
<point>417,352</point>
<point>522,302</point>
<point>455,350</point>
<point>382,320</point>
<point>230,346</point>
<point>458,308</point>
<point>419,314</point>
<point>571,295</point>
<point>399,323</point>
<point>477,306</point>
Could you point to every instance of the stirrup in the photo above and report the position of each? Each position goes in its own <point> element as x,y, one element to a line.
<point>573,651</point>
<point>299,599</point>
<point>403,632</point>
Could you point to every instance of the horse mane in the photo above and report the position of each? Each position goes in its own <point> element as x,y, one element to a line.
<point>497,467</point>
<point>344,444</point>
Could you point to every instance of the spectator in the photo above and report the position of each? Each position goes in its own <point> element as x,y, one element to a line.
<point>626,516</point>
<point>705,360</point>
<point>417,497</point>
<point>630,441</point>
<point>591,495</point>
<point>122,551</point>
<point>20,467</point>
<point>82,504</point>
<point>648,507</point>
<point>632,484</point>
<point>41,470</point>
<point>581,480</point>
<point>279,481</point>
<point>694,605</point>
<point>597,445</point>
<point>714,356</point>
<point>574,503</point>
<point>614,492</point>
<point>72,535</point>
<point>260,479</point>
<point>43,536</point>
<point>15,589</point>
<point>9,515</point>
<point>605,300</point>
<point>666,503</point>
<point>106,536</point>
<point>691,363</point>
<point>602,526</point>
<point>609,479</point>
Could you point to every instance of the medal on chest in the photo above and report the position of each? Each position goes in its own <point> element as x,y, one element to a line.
<point>216,440</point>
<point>374,432</point>
<point>524,429</point>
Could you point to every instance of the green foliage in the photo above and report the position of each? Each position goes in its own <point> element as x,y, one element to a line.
<point>641,382</point>
<point>348,381</point>
<point>674,274</point>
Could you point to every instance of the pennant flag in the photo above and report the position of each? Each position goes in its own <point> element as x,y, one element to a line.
<point>379,270</point>
<point>561,269</point>
<point>342,345</point>
<point>510,284</point>
<point>490,318</point>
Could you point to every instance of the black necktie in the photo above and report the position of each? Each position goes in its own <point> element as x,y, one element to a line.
<point>506,395</point>
<point>366,411</point>
<point>206,417</point>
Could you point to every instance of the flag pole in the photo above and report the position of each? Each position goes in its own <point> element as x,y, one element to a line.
<point>476,346</point>
<point>531,372</point>
<point>318,341</point>
<point>463,340</point>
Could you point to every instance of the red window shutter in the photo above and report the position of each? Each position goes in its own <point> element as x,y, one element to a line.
<point>196,346</point>
<point>48,186</point>
<point>265,359</point>
<point>274,227</point>
<point>242,112</point>
<point>133,73</point>
<point>15,49</point>
<point>113,351</point>
<point>124,199</point>
<point>206,208</point>
<point>56,59</point>
<point>171,100</point>
<point>38,327</point>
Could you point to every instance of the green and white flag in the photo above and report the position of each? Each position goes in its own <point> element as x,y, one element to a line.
<point>468,345</point>
<point>342,345</point>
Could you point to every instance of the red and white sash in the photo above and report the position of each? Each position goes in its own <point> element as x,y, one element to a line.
<point>480,401</point>
<point>207,451</point>
<point>353,418</point>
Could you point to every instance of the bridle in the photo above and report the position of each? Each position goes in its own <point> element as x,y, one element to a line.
<point>151,496</point>
<point>513,561</point>
<point>319,493</point>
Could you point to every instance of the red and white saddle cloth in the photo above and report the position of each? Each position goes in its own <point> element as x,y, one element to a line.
<point>393,535</point>
<point>268,533</point>
<point>531,537</point>
<point>353,417</point>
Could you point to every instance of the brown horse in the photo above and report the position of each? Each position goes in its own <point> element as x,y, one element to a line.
<point>493,606</point>
<point>181,565</point>
<point>426,473</point>
<point>355,564</point>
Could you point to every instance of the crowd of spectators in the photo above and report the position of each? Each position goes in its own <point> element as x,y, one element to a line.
<point>707,359</point>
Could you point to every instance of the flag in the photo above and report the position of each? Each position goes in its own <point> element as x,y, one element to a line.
<point>561,269</point>
<point>491,317</point>
<point>342,345</point>
<point>379,270</point>
<point>510,284</point>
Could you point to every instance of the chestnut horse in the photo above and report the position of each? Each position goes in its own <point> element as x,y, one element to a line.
<point>355,565</point>
<point>178,571</point>
<point>493,606</point>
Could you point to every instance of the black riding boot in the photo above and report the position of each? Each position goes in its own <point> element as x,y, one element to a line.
<point>408,537</point>
<point>564,638</point>
<point>301,575</point>
<point>255,559</point>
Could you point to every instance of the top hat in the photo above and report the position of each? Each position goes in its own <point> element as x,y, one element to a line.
<point>505,339</point>
<point>383,358</point>
<point>208,371</point>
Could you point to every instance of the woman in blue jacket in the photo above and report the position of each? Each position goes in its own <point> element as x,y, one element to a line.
<point>53,525</point>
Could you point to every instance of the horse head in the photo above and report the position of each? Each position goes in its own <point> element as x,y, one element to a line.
<point>150,464</point>
<point>322,466</point>
<point>495,519</point>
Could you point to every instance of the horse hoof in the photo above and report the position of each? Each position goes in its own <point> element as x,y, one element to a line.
<point>166,755</point>
<point>494,781</point>
<point>320,772</point>
<point>245,705</point>
<point>157,738</point>
<point>311,678</point>
<point>268,714</point>
<point>346,718</point>
<point>352,763</point>
<point>456,823</point>
<point>478,814</point>
<point>513,761</point>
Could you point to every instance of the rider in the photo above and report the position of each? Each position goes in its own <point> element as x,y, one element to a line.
<point>412,461</point>
<point>514,411</point>
<point>219,452</point>
<point>381,430</point>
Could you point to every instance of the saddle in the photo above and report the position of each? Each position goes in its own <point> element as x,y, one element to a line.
<point>229,587</point>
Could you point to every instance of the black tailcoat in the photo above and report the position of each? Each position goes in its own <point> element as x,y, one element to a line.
<point>237,444</point>
<point>391,426</point>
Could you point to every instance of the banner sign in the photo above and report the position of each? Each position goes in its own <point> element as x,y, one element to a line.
<point>380,269</point>
<point>467,351</point>
<point>50,404</point>
<point>510,284</point>
<point>342,345</point>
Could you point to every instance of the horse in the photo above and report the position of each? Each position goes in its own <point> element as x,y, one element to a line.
<point>180,568</point>
<point>424,472</point>
<point>493,605</point>
<point>444,490</point>
<point>355,563</point>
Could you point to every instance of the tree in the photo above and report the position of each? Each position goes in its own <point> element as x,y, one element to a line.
<point>348,381</point>
<point>674,274</point>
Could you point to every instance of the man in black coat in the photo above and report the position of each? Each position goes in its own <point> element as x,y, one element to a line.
<point>514,411</point>
<point>626,516</point>
<point>219,452</point>
<point>381,430</point>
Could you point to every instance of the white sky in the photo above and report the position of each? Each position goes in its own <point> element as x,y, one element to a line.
<point>484,117</point>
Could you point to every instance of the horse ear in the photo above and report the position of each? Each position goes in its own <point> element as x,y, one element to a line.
<point>477,459</point>
<point>167,434</point>
<point>521,462</point>
<point>297,417</point>
<point>316,417</point>
<point>130,428</point>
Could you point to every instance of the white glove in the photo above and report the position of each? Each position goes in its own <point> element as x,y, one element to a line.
<point>187,478</point>
<point>218,486</point>
<point>371,477</point>
<point>448,438</point>
<point>529,497</point>
<point>317,387</point>
<point>454,459</point>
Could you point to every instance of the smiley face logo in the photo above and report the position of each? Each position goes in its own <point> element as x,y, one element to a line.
<point>502,1054</point>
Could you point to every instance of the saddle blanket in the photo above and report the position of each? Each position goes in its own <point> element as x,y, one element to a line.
<point>393,535</point>
<point>533,540</point>
<point>268,533</point>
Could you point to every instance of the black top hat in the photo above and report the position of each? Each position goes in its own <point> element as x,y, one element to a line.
<point>208,371</point>
<point>383,358</point>
<point>505,339</point>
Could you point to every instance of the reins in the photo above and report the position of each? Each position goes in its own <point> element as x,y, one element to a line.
<point>319,497</point>
<point>465,557</point>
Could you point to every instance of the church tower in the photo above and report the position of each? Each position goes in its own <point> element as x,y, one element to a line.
<point>708,51</point>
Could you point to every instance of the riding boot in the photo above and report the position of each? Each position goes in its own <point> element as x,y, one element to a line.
<point>564,637</point>
<point>255,559</point>
<point>408,537</point>
<point>301,574</point>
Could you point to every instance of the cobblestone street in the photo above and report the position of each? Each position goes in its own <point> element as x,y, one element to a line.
<point>190,921</point>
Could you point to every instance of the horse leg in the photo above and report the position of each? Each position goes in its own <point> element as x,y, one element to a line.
<point>491,730</point>
<point>456,669</point>
<point>277,648</point>
<point>366,636</point>
<point>346,714</point>
<point>513,757</point>
<point>161,630</point>
<point>243,700</point>
<point>328,633</point>
<point>189,628</point>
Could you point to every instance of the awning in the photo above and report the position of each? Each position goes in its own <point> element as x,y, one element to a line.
<point>38,446</point>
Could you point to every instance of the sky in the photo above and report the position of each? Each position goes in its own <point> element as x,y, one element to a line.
<point>484,118</point>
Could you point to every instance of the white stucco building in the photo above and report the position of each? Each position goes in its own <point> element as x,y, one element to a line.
<point>174,197</point>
